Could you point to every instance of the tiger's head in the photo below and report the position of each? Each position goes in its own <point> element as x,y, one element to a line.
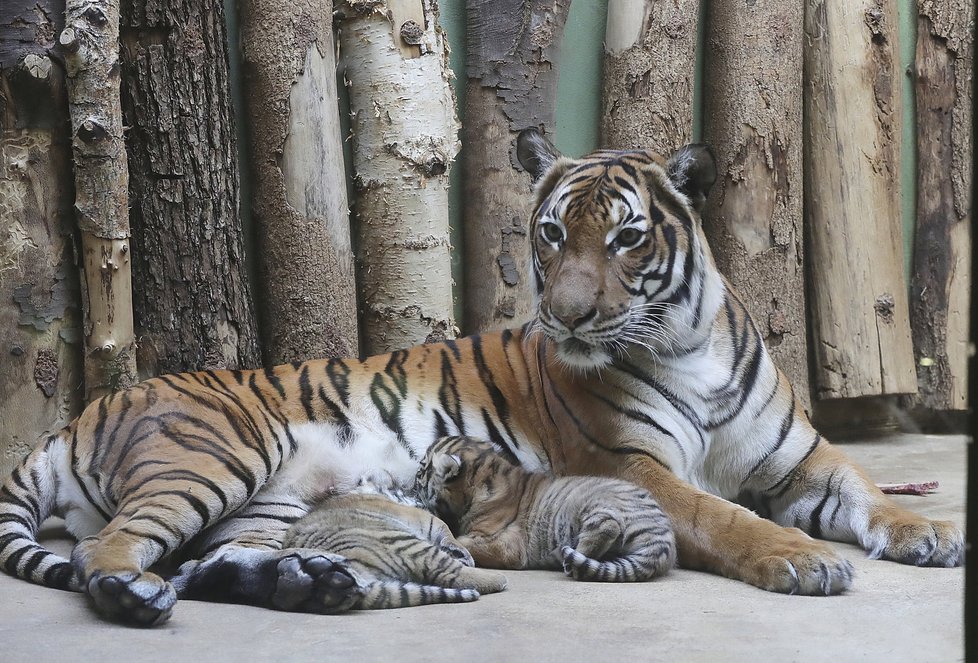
<point>615,241</point>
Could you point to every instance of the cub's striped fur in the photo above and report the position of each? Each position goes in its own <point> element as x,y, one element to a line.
<point>402,555</point>
<point>594,528</point>
<point>641,364</point>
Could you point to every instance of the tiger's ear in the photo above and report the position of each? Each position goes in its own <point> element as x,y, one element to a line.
<point>447,466</point>
<point>693,170</point>
<point>535,153</point>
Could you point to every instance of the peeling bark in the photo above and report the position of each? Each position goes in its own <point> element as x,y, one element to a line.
<point>90,43</point>
<point>941,275</point>
<point>649,62</point>
<point>852,91</point>
<point>192,303</point>
<point>512,68</point>
<point>40,316</point>
<point>300,207</point>
<point>405,139</point>
<point>754,123</point>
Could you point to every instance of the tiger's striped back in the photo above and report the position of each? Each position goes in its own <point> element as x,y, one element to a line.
<point>403,555</point>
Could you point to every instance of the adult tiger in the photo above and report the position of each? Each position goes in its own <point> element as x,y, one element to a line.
<point>641,363</point>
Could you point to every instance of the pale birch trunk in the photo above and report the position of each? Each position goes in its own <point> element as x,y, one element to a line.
<point>395,61</point>
<point>941,277</point>
<point>90,42</point>
<point>308,286</point>
<point>860,326</point>
<point>40,312</point>
<point>753,114</point>
<point>649,63</point>
<point>512,68</point>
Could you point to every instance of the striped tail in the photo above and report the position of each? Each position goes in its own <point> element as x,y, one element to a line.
<point>27,498</point>
<point>393,594</point>
<point>637,566</point>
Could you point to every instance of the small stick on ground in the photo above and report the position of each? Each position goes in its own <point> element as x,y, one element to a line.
<point>919,488</point>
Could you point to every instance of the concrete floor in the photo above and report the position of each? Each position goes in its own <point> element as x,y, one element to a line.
<point>894,613</point>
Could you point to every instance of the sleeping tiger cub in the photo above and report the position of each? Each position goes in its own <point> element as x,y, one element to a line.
<point>402,555</point>
<point>641,363</point>
<point>594,528</point>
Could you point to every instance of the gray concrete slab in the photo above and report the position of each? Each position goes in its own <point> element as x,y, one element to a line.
<point>894,613</point>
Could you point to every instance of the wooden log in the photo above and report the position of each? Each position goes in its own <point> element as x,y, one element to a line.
<point>395,62</point>
<point>308,288</point>
<point>40,309</point>
<point>192,300</point>
<point>754,123</point>
<point>649,63</point>
<point>90,42</point>
<point>860,321</point>
<point>941,271</point>
<point>512,69</point>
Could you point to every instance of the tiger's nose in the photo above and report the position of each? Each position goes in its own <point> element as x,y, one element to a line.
<point>573,319</point>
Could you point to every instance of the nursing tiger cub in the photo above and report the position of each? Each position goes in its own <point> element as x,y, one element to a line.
<point>402,555</point>
<point>595,528</point>
<point>641,363</point>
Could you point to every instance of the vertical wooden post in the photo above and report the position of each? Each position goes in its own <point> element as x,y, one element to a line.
<point>860,326</point>
<point>941,275</point>
<point>649,62</point>
<point>754,122</point>
<point>40,311</point>
<point>405,135</point>
<point>308,286</point>
<point>512,69</point>
<point>90,41</point>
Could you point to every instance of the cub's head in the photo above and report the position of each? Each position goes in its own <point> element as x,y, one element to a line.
<point>458,470</point>
<point>613,237</point>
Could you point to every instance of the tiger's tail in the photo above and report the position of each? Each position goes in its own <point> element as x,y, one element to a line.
<point>27,498</point>
<point>393,594</point>
<point>644,564</point>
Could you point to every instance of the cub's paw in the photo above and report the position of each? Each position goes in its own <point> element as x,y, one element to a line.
<point>315,582</point>
<point>458,552</point>
<point>802,566</point>
<point>922,543</point>
<point>142,599</point>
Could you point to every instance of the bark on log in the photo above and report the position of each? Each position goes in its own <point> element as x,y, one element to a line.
<point>512,69</point>
<point>40,312</point>
<point>90,41</point>
<point>754,123</point>
<point>300,207</point>
<point>942,246</point>
<point>649,63</point>
<point>192,301</point>
<point>395,59</point>
<point>861,329</point>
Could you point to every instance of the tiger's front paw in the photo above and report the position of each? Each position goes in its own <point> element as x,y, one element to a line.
<point>142,599</point>
<point>801,565</point>
<point>316,582</point>
<point>921,542</point>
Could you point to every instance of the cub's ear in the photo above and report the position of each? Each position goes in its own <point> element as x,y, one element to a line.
<point>693,170</point>
<point>535,153</point>
<point>448,466</point>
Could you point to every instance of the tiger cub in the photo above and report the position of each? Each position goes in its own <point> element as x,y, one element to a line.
<point>402,555</point>
<point>595,528</point>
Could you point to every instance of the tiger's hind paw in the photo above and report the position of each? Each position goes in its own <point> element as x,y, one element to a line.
<point>142,599</point>
<point>927,543</point>
<point>315,582</point>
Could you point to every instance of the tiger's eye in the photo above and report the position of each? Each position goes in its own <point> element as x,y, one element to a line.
<point>629,237</point>
<point>552,233</point>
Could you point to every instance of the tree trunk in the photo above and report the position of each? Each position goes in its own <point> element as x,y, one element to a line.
<point>512,68</point>
<point>40,317</point>
<point>942,248</point>
<point>859,296</point>
<point>192,303</point>
<point>754,123</point>
<point>300,206</point>
<point>406,136</point>
<point>90,42</point>
<point>649,63</point>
